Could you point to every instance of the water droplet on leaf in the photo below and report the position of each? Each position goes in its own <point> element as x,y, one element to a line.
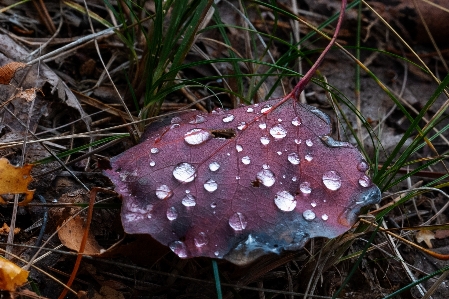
<point>250,110</point>
<point>172,214</point>
<point>263,126</point>
<point>228,118</point>
<point>309,142</point>
<point>324,217</point>
<point>285,201</point>
<point>266,109</point>
<point>163,192</point>
<point>308,157</point>
<point>238,221</point>
<point>266,177</point>
<point>278,132</point>
<point>198,119</point>
<point>332,180</point>
<point>214,166</point>
<point>154,150</point>
<point>189,200</point>
<point>210,185</point>
<point>308,215</point>
<point>362,166</point>
<point>296,122</point>
<point>246,160</point>
<point>201,240</point>
<point>179,248</point>
<point>264,140</point>
<point>239,148</point>
<point>364,181</point>
<point>293,158</point>
<point>197,136</point>
<point>241,125</point>
<point>305,188</point>
<point>184,172</point>
<point>152,163</point>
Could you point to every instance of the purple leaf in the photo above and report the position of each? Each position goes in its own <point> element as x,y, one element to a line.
<point>242,183</point>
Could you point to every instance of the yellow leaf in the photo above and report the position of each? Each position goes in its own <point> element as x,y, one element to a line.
<point>15,180</point>
<point>11,275</point>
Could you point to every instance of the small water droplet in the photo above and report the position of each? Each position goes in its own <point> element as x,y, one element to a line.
<point>294,179</point>
<point>362,166</point>
<point>198,119</point>
<point>332,180</point>
<point>179,248</point>
<point>246,160</point>
<point>266,166</point>
<point>364,181</point>
<point>201,239</point>
<point>176,120</point>
<point>279,153</point>
<point>313,204</point>
<point>197,136</point>
<point>278,132</point>
<point>172,214</point>
<point>309,142</point>
<point>305,188</point>
<point>154,150</point>
<point>285,201</point>
<point>308,215</point>
<point>163,192</point>
<point>250,110</point>
<point>266,177</point>
<point>210,185</point>
<point>308,157</point>
<point>228,154</point>
<point>266,109</point>
<point>189,200</point>
<point>228,118</point>
<point>298,141</point>
<point>296,122</point>
<point>152,163</point>
<point>213,205</point>
<point>263,126</point>
<point>241,125</point>
<point>280,120</point>
<point>238,221</point>
<point>216,253</point>
<point>293,158</point>
<point>214,166</point>
<point>237,178</point>
<point>175,126</point>
<point>184,172</point>
<point>239,148</point>
<point>324,217</point>
<point>187,191</point>
<point>264,140</point>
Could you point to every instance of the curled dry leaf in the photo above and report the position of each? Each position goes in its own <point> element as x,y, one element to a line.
<point>8,71</point>
<point>242,183</point>
<point>426,236</point>
<point>15,180</point>
<point>71,235</point>
<point>11,275</point>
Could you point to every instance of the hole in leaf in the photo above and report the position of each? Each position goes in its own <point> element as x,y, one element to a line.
<point>255,183</point>
<point>224,133</point>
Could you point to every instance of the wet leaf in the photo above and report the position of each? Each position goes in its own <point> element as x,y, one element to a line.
<point>242,183</point>
<point>11,275</point>
<point>15,180</point>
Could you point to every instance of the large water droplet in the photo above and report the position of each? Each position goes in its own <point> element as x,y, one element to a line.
<point>163,192</point>
<point>362,166</point>
<point>210,185</point>
<point>154,150</point>
<point>278,131</point>
<point>308,215</point>
<point>305,188</point>
<point>172,214</point>
<point>228,118</point>
<point>263,126</point>
<point>308,157</point>
<point>239,148</point>
<point>364,181</point>
<point>201,239</point>
<point>332,180</point>
<point>184,172</point>
<point>285,201</point>
<point>293,158</point>
<point>238,221</point>
<point>241,125</point>
<point>266,177</point>
<point>197,136</point>
<point>324,217</point>
<point>214,166</point>
<point>189,200</point>
<point>266,109</point>
<point>264,140</point>
<point>309,142</point>
<point>296,122</point>
<point>198,119</point>
<point>179,248</point>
